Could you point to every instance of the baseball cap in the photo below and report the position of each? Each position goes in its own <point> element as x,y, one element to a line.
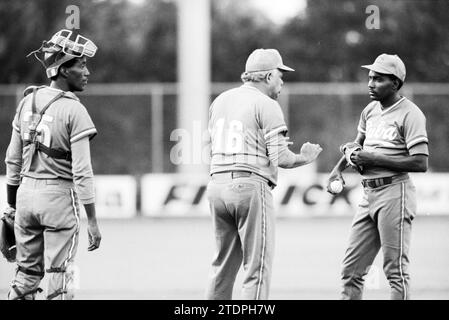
<point>264,60</point>
<point>388,64</point>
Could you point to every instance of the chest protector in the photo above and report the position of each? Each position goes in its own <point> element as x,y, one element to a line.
<point>35,144</point>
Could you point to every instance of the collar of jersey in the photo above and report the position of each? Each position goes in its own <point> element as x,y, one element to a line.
<point>251,87</point>
<point>67,94</point>
<point>391,107</point>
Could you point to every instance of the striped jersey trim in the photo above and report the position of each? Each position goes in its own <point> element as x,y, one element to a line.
<point>383,111</point>
<point>401,230</point>
<point>275,131</point>
<point>235,154</point>
<point>398,147</point>
<point>13,182</point>
<point>381,143</point>
<point>85,133</point>
<point>264,229</point>
<point>72,246</point>
<point>416,141</point>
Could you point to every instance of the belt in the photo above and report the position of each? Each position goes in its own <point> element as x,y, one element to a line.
<point>374,183</point>
<point>244,174</point>
<point>43,182</point>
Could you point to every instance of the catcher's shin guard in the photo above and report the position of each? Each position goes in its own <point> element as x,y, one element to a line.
<point>16,294</point>
<point>25,285</point>
<point>61,283</point>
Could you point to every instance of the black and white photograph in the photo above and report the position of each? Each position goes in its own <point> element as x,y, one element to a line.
<point>214,152</point>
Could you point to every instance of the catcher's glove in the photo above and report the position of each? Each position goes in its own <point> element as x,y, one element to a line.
<point>348,149</point>
<point>7,237</point>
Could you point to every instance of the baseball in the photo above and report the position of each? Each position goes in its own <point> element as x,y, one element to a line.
<point>336,186</point>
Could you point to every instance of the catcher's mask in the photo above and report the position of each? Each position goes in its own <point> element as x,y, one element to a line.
<point>60,49</point>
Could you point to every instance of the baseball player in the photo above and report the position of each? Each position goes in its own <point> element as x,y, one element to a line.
<point>392,132</point>
<point>49,170</point>
<point>248,142</point>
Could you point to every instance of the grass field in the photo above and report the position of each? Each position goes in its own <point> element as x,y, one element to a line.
<point>160,259</point>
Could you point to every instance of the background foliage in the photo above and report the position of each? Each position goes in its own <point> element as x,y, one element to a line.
<point>137,43</point>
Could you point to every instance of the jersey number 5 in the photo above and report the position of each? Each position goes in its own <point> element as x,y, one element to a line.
<point>43,130</point>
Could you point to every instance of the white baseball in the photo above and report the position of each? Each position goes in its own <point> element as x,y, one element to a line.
<point>336,186</point>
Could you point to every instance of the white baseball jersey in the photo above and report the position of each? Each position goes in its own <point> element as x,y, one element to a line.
<point>65,122</point>
<point>240,122</point>
<point>396,131</point>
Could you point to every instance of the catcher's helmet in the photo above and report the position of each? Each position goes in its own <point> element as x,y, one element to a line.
<point>60,49</point>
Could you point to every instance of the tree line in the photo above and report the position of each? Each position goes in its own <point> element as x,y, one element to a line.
<point>137,42</point>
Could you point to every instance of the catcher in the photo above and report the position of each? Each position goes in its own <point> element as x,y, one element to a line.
<point>49,173</point>
<point>391,141</point>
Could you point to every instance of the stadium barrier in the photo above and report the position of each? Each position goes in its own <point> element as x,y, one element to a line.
<point>299,194</point>
<point>115,196</point>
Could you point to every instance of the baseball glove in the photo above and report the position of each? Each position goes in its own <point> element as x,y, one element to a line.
<point>348,149</point>
<point>7,237</point>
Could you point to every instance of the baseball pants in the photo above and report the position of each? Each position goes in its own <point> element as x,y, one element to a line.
<point>46,230</point>
<point>383,220</point>
<point>243,220</point>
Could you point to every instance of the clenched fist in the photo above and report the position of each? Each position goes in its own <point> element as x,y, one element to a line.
<point>309,152</point>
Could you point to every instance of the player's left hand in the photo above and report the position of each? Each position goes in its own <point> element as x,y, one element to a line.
<point>94,235</point>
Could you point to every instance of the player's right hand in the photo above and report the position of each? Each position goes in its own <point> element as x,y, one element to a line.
<point>94,236</point>
<point>310,151</point>
<point>334,176</point>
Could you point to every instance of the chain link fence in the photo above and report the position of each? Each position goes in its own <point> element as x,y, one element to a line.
<point>134,121</point>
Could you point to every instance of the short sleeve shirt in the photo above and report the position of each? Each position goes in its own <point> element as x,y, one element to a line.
<point>398,130</point>
<point>63,123</point>
<point>240,122</point>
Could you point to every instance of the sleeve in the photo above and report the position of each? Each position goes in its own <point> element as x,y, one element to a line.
<point>362,122</point>
<point>16,124</point>
<point>420,148</point>
<point>83,176</point>
<point>81,125</point>
<point>415,129</point>
<point>13,159</point>
<point>16,120</point>
<point>272,119</point>
<point>278,151</point>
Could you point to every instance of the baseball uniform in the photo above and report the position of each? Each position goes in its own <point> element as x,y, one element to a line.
<point>248,143</point>
<point>47,216</point>
<point>241,121</point>
<point>384,216</point>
